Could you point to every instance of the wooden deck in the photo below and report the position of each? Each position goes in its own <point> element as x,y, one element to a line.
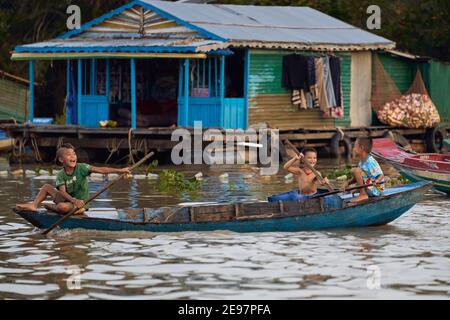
<point>121,140</point>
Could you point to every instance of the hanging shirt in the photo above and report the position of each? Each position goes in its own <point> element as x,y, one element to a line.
<point>322,99</point>
<point>311,65</point>
<point>329,83</point>
<point>335,70</point>
<point>295,72</point>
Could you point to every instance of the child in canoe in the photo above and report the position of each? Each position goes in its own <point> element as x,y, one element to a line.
<point>367,172</point>
<point>307,181</point>
<point>72,190</point>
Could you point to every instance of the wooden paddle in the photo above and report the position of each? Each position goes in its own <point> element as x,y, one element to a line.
<point>309,166</point>
<point>109,185</point>
<point>339,191</point>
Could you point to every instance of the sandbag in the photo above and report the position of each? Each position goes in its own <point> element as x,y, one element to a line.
<point>413,110</point>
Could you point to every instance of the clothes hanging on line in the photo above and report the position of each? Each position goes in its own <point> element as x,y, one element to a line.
<point>315,83</point>
<point>298,72</point>
<point>335,69</point>
<point>329,83</point>
<point>322,97</point>
<point>311,69</point>
<point>329,87</point>
<point>337,111</point>
<point>296,98</point>
<point>309,100</point>
<point>299,99</point>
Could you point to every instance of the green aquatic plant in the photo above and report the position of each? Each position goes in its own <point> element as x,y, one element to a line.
<point>403,180</point>
<point>392,182</point>
<point>152,166</point>
<point>347,171</point>
<point>173,181</point>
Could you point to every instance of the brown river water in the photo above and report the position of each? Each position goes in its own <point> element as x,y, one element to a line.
<point>407,259</point>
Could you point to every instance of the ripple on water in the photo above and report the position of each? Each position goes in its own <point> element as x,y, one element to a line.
<point>32,259</point>
<point>28,289</point>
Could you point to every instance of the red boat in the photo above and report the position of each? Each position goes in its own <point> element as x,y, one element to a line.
<point>433,167</point>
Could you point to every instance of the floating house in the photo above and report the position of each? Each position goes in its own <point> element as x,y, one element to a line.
<point>14,98</point>
<point>161,64</point>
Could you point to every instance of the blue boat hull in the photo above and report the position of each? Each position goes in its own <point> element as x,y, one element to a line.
<point>374,212</point>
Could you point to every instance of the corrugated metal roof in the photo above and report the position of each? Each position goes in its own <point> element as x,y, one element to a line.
<point>214,27</point>
<point>122,45</point>
<point>312,36</point>
<point>270,24</point>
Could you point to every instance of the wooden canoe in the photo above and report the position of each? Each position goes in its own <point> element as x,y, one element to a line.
<point>313,214</point>
<point>433,167</point>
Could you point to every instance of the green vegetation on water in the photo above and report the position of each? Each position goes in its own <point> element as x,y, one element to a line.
<point>152,166</point>
<point>172,181</point>
<point>338,175</point>
<point>347,171</point>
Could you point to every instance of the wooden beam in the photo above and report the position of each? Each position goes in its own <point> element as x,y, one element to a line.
<point>246,78</point>
<point>222,91</point>
<point>136,11</point>
<point>161,24</point>
<point>89,55</point>
<point>307,136</point>
<point>186,93</point>
<point>132,15</point>
<point>116,22</point>
<point>106,29</point>
<point>107,80</point>
<point>25,81</point>
<point>101,143</point>
<point>31,111</point>
<point>80,90</point>
<point>68,76</point>
<point>133,93</point>
<point>180,78</point>
<point>93,78</point>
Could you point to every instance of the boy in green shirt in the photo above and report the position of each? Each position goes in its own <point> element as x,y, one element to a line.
<point>72,189</point>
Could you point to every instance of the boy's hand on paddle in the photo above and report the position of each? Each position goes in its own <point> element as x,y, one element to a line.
<point>299,156</point>
<point>125,170</point>
<point>325,181</point>
<point>78,203</point>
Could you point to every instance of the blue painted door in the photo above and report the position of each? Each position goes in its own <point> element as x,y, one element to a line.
<point>93,110</point>
<point>206,110</point>
<point>94,100</point>
<point>234,113</point>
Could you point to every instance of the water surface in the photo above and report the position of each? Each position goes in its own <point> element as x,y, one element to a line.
<point>411,256</point>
